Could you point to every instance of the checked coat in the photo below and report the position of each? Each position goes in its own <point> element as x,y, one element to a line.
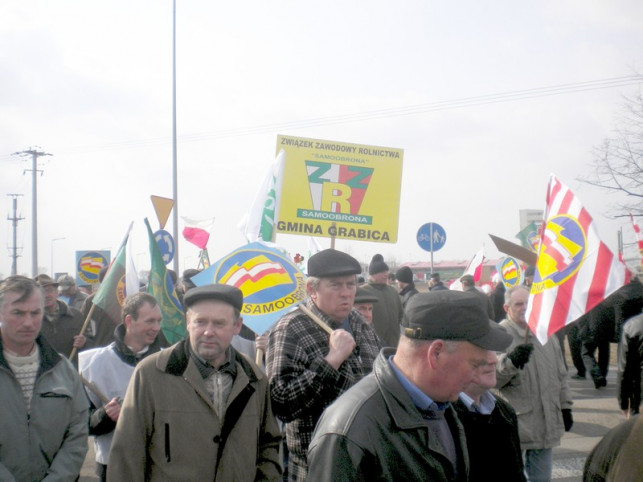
<point>302,383</point>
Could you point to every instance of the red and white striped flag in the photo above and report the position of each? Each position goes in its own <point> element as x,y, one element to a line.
<point>575,269</point>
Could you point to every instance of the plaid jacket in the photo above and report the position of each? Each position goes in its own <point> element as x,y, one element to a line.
<point>302,383</point>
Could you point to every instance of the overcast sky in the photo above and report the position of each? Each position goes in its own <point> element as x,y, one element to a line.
<point>90,83</point>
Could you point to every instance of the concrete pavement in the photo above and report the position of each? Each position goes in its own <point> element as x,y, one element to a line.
<point>595,412</point>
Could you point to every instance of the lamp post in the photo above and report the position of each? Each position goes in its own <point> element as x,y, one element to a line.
<point>52,254</point>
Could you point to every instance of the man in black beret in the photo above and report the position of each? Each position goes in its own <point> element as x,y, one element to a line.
<point>387,313</point>
<point>191,409</point>
<point>307,367</point>
<point>398,423</point>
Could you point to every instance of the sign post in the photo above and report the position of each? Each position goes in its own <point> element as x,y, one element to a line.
<point>431,237</point>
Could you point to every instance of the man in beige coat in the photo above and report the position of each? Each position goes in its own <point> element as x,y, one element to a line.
<point>532,378</point>
<point>198,410</point>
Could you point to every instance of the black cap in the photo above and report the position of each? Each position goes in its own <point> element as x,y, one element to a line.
<point>435,276</point>
<point>365,296</point>
<point>452,315</point>
<point>330,262</point>
<point>228,294</point>
<point>404,274</point>
<point>377,265</point>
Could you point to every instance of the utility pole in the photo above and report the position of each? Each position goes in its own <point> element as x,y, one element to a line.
<point>35,154</point>
<point>14,223</point>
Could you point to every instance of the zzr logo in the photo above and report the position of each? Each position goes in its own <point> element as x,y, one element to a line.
<point>336,188</point>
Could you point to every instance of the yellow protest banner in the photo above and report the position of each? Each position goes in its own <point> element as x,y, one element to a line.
<point>349,191</point>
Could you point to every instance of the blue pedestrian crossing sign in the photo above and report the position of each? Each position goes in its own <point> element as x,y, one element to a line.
<point>166,245</point>
<point>431,237</point>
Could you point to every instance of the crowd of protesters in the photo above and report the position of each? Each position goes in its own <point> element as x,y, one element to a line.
<point>362,381</point>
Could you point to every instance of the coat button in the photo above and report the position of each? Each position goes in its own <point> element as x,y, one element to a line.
<point>216,439</point>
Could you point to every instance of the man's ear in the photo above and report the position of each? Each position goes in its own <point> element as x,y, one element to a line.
<point>237,325</point>
<point>435,351</point>
<point>310,290</point>
<point>128,320</point>
<point>506,307</point>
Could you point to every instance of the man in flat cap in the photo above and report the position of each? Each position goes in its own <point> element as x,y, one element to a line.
<point>307,367</point>
<point>198,410</point>
<point>398,423</point>
<point>61,324</point>
<point>364,303</point>
<point>387,314</point>
<point>69,292</point>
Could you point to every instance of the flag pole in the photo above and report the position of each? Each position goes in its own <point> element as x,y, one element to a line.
<point>316,319</point>
<point>82,329</point>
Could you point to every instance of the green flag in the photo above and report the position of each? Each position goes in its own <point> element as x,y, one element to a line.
<point>528,237</point>
<point>160,286</point>
<point>111,293</point>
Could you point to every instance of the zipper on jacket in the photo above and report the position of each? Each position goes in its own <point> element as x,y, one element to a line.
<point>168,458</point>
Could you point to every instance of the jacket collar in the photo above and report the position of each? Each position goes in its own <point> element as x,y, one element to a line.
<point>125,353</point>
<point>407,417</point>
<point>174,361</point>
<point>48,356</point>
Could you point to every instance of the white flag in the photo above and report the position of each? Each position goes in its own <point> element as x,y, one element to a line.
<point>259,222</point>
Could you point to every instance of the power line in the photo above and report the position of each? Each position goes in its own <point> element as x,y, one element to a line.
<point>414,109</point>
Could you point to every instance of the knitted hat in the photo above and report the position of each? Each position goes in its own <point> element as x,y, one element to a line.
<point>377,265</point>
<point>404,274</point>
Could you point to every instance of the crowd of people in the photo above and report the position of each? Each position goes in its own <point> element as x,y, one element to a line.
<point>372,380</point>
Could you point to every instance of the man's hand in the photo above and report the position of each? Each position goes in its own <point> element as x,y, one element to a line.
<point>342,345</point>
<point>261,342</point>
<point>113,409</point>
<point>520,355</point>
<point>79,341</point>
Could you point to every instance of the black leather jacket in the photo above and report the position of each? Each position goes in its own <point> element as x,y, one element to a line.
<point>374,432</point>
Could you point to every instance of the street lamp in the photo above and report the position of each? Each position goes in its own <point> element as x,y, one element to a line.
<point>52,254</point>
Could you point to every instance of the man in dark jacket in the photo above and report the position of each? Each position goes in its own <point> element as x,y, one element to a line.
<point>435,284</point>
<point>110,368</point>
<point>491,427</point>
<point>469,286</point>
<point>387,312</point>
<point>61,324</point>
<point>398,423</point>
<point>630,366</point>
<point>404,278</point>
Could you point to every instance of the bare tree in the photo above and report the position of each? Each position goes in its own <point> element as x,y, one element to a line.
<point>618,162</point>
